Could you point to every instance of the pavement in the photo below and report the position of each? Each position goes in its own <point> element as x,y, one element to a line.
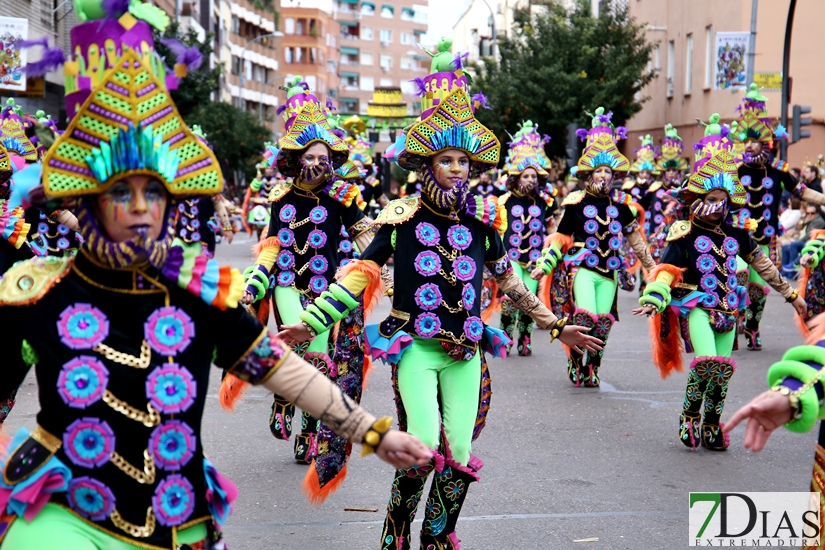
<point>562,464</point>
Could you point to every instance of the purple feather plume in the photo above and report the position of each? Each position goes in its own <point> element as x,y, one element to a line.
<point>115,8</point>
<point>605,118</point>
<point>697,146</point>
<point>51,59</point>
<point>546,138</point>
<point>23,44</point>
<point>422,88</point>
<point>582,133</point>
<point>621,131</point>
<point>191,57</point>
<point>725,130</point>
<point>330,105</point>
<point>458,62</point>
<point>281,108</point>
<point>482,101</point>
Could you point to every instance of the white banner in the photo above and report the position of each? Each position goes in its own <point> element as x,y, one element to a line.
<point>12,60</point>
<point>731,60</point>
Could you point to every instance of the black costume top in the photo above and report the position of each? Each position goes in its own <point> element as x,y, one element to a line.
<point>764,185</point>
<point>528,217</point>
<point>193,225</point>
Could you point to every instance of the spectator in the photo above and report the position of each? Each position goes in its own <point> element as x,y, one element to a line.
<point>810,177</point>
<point>789,219</point>
<point>791,252</point>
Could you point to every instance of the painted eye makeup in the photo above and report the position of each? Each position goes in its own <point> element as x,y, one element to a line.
<point>120,193</point>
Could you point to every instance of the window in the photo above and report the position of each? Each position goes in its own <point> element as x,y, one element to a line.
<point>367,83</point>
<point>657,64</point>
<point>331,67</point>
<point>367,9</point>
<point>299,55</point>
<point>689,63</point>
<point>708,57</point>
<point>407,63</point>
<point>407,14</point>
<point>671,69</point>
<point>236,25</point>
<point>289,56</point>
<point>299,27</point>
<point>387,11</point>
<point>386,61</point>
<point>408,88</point>
<point>349,105</point>
<point>312,81</point>
<point>366,58</point>
<point>247,69</point>
<point>236,65</point>
<point>362,109</point>
<point>406,38</point>
<point>366,33</point>
<point>289,25</point>
<point>386,82</point>
<point>386,36</point>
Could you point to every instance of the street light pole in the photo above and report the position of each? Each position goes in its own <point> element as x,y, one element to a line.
<point>493,27</point>
<point>752,43</point>
<point>786,79</point>
<point>243,64</point>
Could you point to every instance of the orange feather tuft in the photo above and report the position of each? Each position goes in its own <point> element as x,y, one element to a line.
<point>545,285</point>
<point>375,288</point>
<point>263,243</point>
<point>495,303</point>
<point>677,272</point>
<point>367,371</point>
<point>817,326</point>
<point>667,353</point>
<point>232,388</point>
<point>564,242</point>
<point>312,485</point>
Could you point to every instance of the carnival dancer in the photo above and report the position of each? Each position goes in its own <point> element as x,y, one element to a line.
<point>123,333</point>
<point>530,212</point>
<point>370,184</point>
<point>697,278</point>
<point>764,180</point>
<point>301,255</point>
<point>665,208</point>
<point>434,337</point>
<point>255,207</point>
<point>483,185</point>
<point>584,256</point>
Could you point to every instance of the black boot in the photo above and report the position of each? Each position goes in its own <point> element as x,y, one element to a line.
<point>525,334</point>
<point>578,368</point>
<point>509,311</point>
<point>719,374</point>
<point>690,420</point>
<point>753,315</point>
<point>407,488</point>
<point>306,446</point>
<point>443,507</point>
<point>601,330</point>
<point>280,418</point>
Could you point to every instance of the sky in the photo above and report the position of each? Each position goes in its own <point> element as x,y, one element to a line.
<point>442,16</point>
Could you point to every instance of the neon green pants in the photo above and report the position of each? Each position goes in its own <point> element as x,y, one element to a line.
<point>753,276</point>
<point>56,527</point>
<point>289,306</point>
<point>524,275</point>
<point>593,292</point>
<point>424,373</point>
<point>705,340</point>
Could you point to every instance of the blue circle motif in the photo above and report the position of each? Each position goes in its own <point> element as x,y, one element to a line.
<point>318,264</point>
<point>286,278</point>
<point>82,381</point>
<point>536,225</point>
<point>172,444</point>
<point>345,247</point>
<point>769,231</point>
<point>427,325</point>
<point>90,498</point>
<point>82,326</point>
<point>706,263</point>
<point>592,243</point>
<point>731,264</point>
<point>535,241</point>
<point>287,213</point>
<point>318,284</point>
<point>613,262</point>
<point>612,211</point>
<point>428,297</point>
<point>62,229</point>
<point>464,268</point>
<point>615,227</point>
<point>517,210</point>
<point>459,237</point>
<point>89,442</point>
<point>473,329</point>
<point>767,182</point>
<point>173,501</point>
<point>171,389</point>
<point>615,243</point>
<point>732,300</point>
<point>730,246</point>
<point>703,244</point>
<point>63,243</point>
<point>515,240</point>
<point>534,210</point>
<point>745,180</point>
<point>427,234</point>
<point>709,282</point>
<point>590,211</point>
<point>768,199</point>
<point>285,260</point>
<point>318,214</point>
<point>709,300</point>
<point>317,238</point>
<point>427,263</point>
<point>468,296</point>
<point>534,255</point>
<point>517,226</point>
<point>169,330</point>
<point>591,261</point>
<point>591,226</point>
<point>513,254</point>
<point>286,237</point>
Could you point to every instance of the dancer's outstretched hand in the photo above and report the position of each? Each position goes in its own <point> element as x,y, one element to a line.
<point>800,306</point>
<point>247,297</point>
<point>292,335</point>
<point>403,450</point>
<point>650,311</point>
<point>806,260</point>
<point>537,274</point>
<point>765,413</point>
<point>577,338</point>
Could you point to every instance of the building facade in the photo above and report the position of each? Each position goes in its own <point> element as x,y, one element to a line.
<point>685,57</point>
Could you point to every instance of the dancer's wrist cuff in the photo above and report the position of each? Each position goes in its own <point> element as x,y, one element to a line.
<point>374,436</point>
<point>555,330</point>
<point>794,295</point>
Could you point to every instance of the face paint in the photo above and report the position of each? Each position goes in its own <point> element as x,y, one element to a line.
<point>598,187</point>
<point>312,172</point>
<point>451,170</point>
<point>527,182</point>
<point>755,152</point>
<point>672,178</point>
<point>133,206</point>
<point>712,210</point>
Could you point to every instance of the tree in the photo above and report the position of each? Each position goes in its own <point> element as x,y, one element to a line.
<point>235,135</point>
<point>560,63</point>
<point>196,89</point>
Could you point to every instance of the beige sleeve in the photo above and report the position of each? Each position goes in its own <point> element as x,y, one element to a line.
<point>638,243</point>
<point>220,210</point>
<point>302,384</point>
<point>813,197</point>
<point>764,266</point>
<point>511,285</point>
<point>69,220</point>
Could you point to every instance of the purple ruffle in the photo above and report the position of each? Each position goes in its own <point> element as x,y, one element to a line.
<point>389,350</point>
<point>497,342</point>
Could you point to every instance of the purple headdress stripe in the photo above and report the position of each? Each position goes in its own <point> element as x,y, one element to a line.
<point>83,136</point>
<point>117,89</point>
<point>143,91</point>
<point>70,167</point>
<point>108,114</point>
<point>196,166</point>
<point>157,116</point>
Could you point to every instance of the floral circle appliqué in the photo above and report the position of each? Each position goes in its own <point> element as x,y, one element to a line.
<point>534,210</point>
<point>769,231</point>
<point>710,300</point>
<point>286,278</point>
<point>169,330</point>
<point>732,300</point>
<point>318,264</point>
<point>513,254</point>
<point>591,261</point>
<point>82,381</point>
<point>427,263</point>
<point>702,244</point>
<point>745,180</point>
<point>427,234</point>
<point>459,237</point>
<point>591,226</point>
<point>473,329</point>
<point>730,246</point>
<point>731,264</point>
<point>615,243</point>
<point>287,213</point>
<point>535,241</point>
<point>318,284</point>
<point>517,210</point>
<point>615,227</point>
<point>768,200</point>
<point>706,263</point>
<point>285,260</point>
<point>345,247</point>
<point>82,326</point>
<point>174,500</point>
<point>535,225</point>
<point>427,325</point>
<point>767,182</point>
<point>88,442</point>
<point>612,211</point>
<point>90,498</point>
<point>171,388</point>
<point>592,243</point>
<point>428,297</point>
<point>590,211</point>
<point>709,282</point>
<point>468,296</point>
<point>534,255</point>
<point>318,214</point>
<point>613,262</point>
<point>518,226</point>
<point>464,268</point>
<point>172,445</point>
<point>286,237</point>
<point>515,239</point>
<point>317,238</point>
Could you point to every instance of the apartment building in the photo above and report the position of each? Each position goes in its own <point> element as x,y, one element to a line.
<point>685,59</point>
<point>378,44</point>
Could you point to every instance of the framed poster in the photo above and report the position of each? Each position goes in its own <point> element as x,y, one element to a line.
<point>731,60</point>
<point>12,60</point>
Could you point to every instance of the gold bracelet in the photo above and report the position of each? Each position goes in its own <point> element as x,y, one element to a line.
<point>794,295</point>
<point>796,411</point>
<point>555,331</point>
<point>374,436</point>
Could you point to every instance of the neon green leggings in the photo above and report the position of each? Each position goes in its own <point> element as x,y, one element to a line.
<point>55,523</point>
<point>425,370</point>
<point>289,306</point>
<point>593,292</point>
<point>524,275</point>
<point>753,276</point>
<point>704,339</point>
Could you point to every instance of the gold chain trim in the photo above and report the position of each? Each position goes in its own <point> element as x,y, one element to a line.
<point>295,225</point>
<point>141,362</point>
<point>458,309</point>
<point>146,476</point>
<point>301,251</point>
<point>150,419</point>
<point>137,531</point>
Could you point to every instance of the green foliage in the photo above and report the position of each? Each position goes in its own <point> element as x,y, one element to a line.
<point>235,136</point>
<point>197,87</point>
<point>561,63</point>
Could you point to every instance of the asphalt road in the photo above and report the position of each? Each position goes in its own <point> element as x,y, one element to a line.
<point>561,464</point>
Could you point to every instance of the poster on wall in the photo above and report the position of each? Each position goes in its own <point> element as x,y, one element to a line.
<point>731,60</point>
<point>12,60</point>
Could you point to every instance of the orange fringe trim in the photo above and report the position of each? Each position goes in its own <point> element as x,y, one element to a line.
<point>545,285</point>
<point>232,388</point>
<point>564,242</point>
<point>803,284</point>
<point>365,376</point>
<point>641,215</point>
<point>667,354</point>
<point>245,210</point>
<point>495,303</point>
<point>375,288</point>
<point>312,485</point>
<point>264,243</point>
<point>817,326</point>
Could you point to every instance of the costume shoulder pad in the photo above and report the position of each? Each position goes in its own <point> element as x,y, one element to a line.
<point>502,200</point>
<point>344,192</point>
<point>489,211</point>
<point>279,191</point>
<point>628,185</point>
<point>678,230</point>
<point>621,197</point>
<point>399,210</point>
<point>655,186</point>
<point>28,281</point>
<point>780,165</point>
<point>573,198</point>
<point>547,198</point>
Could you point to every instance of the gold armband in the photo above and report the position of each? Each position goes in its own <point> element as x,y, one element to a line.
<point>376,433</point>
